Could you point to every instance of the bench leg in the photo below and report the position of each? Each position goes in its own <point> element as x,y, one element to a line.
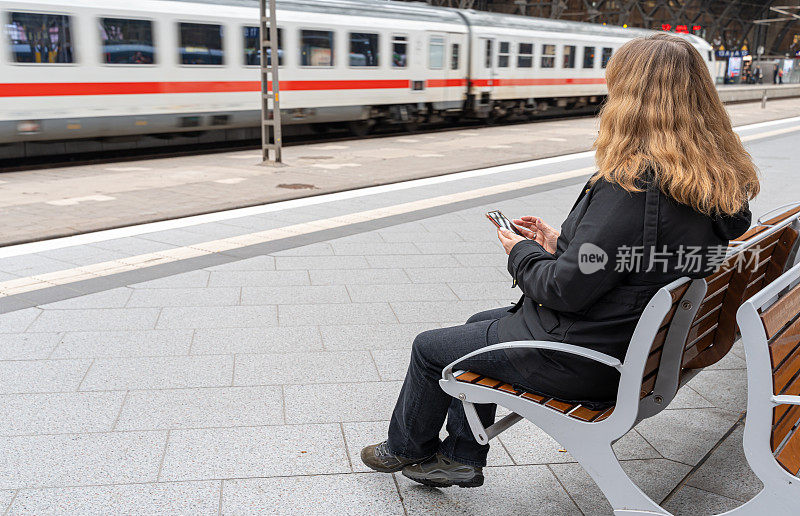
<point>767,502</point>
<point>602,465</point>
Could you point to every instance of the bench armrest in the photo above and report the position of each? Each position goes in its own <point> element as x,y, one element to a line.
<point>591,354</point>
<point>786,400</point>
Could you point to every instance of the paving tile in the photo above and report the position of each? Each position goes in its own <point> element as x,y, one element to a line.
<point>439,261</point>
<point>191,279</point>
<point>420,236</point>
<point>402,292</point>
<point>724,388</point>
<point>201,498</point>
<point>5,500</point>
<point>132,245</point>
<point>257,278</point>
<point>289,263</point>
<point>688,398</point>
<point>656,477</point>
<point>528,444</point>
<point>217,317</point>
<point>263,451</point>
<point>436,311</point>
<point>18,321</point>
<point>358,277</point>
<point>327,403</point>
<point>69,412</point>
<point>305,368</point>
<point>95,319</point>
<point>114,298</point>
<point>686,435</point>
<point>492,246</point>
<point>392,363</point>
<point>98,344</point>
<point>729,361</point>
<point>315,249</point>
<point>159,372</point>
<point>205,407</point>
<point>321,494</point>
<point>257,263</point>
<point>507,490</point>
<point>493,290</point>
<point>31,265</point>
<point>457,275</point>
<point>726,471</point>
<point>41,375</point>
<point>207,296</point>
<point>27,346</point>
<point>80,459</point>
<point>690,501</point>
<point>371,336</point>
<point>319,294</point>
<point>373,248</point>
<point>285,339</point>
<point>322,315</point>
<point>482,260</point>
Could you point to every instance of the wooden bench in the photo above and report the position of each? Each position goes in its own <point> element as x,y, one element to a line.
<point>686,326</point>
<point>770,326</point>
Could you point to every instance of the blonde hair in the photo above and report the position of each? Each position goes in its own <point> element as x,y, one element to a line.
<point>663,115</point>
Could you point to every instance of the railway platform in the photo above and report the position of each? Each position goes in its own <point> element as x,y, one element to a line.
<point>46,203</point>
<point>237,363</point>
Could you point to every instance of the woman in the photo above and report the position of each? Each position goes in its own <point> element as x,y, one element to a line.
<point>673,181</point>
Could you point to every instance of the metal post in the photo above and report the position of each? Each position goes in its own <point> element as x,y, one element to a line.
<point>764,99</point>
<point>270,105</point>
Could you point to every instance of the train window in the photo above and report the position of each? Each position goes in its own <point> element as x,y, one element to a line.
<point>548,56</point>
<point>363,49</point>
<point>436,53</point>
<point>316,48</point>
<point>40,38</point>
<point>200,44</point>
<point>455,56</point>
<point>606,56</point>
<point>399,52</point>
<point>588,57</point>
<point>252,57</point>
<point>569,56</point>
<point>488,55</point>
<point>525,55</point>
<point>503,54</point>
<point>127,41</point>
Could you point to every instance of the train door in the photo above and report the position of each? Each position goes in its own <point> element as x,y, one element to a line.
<point>456,65</point>
<point>488,66</point>
<point>437,66</point>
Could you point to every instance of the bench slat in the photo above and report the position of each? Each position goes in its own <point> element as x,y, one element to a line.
<point>785,372</point>
<point>784,418</point>
<point>789,456</point>
<point>561,406</point>
<point>785,309</point>
<point>468,377</point>
<point>784,344</point>
<point>781,217</point>
<point>678,292</point>
<point>585,414</point>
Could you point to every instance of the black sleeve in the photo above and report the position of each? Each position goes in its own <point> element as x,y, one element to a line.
<point>614,219</point>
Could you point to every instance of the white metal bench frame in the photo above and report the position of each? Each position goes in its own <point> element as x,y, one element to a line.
<point>590,442</point>
<point>781,492</point>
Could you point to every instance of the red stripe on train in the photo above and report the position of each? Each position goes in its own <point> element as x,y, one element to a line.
<point>536,82</point>
<point>149,88</point>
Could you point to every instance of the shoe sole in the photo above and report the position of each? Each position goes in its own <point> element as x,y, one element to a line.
<point>475,481</point>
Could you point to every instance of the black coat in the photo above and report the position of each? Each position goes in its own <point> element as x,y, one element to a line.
<point>599,308</point>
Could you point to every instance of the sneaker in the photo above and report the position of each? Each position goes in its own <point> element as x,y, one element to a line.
<point>439,471</point>
<point>379,458</point>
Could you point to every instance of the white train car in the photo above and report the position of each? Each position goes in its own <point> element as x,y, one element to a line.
<point>94,69</point>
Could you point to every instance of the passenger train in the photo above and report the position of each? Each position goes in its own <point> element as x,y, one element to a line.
<point>96,69</point>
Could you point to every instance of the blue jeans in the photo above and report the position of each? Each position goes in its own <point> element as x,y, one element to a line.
<point>422,405</point>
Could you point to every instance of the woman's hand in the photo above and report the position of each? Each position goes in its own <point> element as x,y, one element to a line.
<point>508,239</point>
<point>536,229</point>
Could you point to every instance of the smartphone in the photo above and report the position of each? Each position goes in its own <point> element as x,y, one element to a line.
<point>498,219</point>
